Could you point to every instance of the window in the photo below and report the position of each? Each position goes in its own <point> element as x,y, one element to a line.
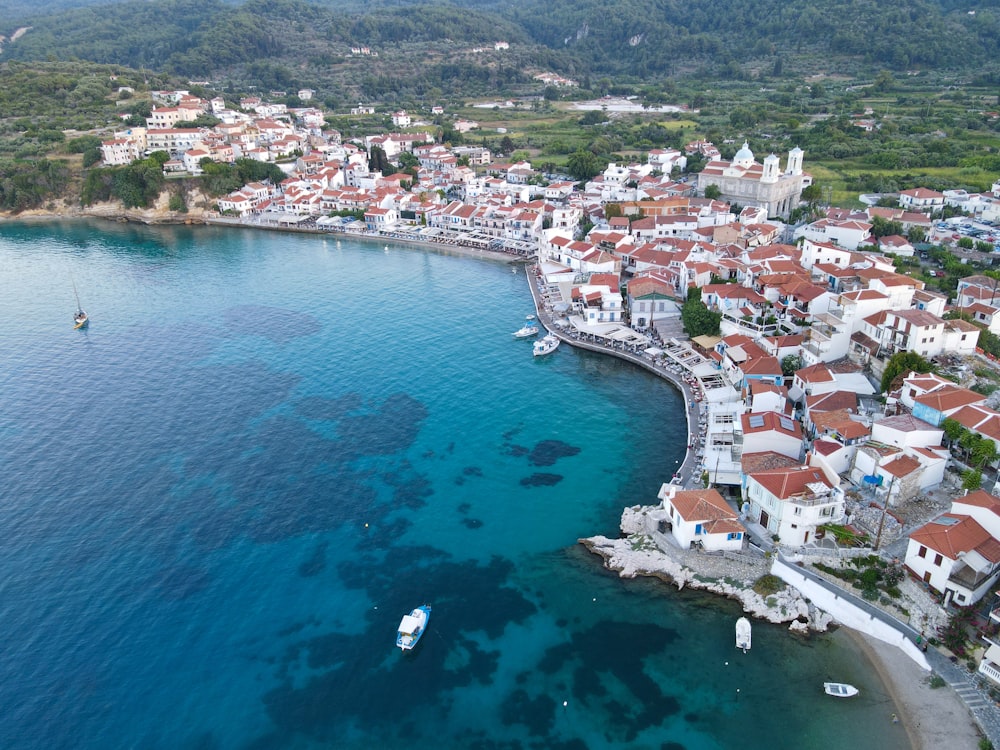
<point>922,552</point>
<point>734,535</point>
<point>699,529</point>
<point>937,560</point>
<point>798,510</point>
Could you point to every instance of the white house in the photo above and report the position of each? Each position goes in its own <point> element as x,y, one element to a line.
<point>771,431</point>
<point>958,553</point>
<point>906,431</point>
<point>921,199</point>
<point>701,518</point>
<point>792,502</point>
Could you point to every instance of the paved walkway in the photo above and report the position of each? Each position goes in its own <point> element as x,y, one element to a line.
<point>688,467</point>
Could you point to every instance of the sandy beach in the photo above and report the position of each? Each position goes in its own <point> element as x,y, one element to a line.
<point>933,718</point>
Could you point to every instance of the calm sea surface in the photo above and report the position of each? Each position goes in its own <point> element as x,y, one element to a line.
<point>218,501</point>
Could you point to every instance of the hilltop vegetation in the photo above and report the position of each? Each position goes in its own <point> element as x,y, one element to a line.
<point>424,46</point>
<point>926,73</point>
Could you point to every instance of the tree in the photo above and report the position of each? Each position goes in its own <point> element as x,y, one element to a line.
<point>378,161</point>
<point>712,192</point>
<point>790,364</point>
<point>885,228</point>
<point>901,364</point>
<point>698,320</point>
<point>984,451</point>
<point>953,429</point>
<point>812,193</point>
<point>506,145</point>
<point>972,479</point>
<point>408,159</point>
<point>583,165</point>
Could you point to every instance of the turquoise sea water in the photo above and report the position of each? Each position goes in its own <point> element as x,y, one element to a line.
<point>218,501</point>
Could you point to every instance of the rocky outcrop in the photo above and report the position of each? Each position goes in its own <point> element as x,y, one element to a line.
<point>160,213</point>
<point>637,554</point>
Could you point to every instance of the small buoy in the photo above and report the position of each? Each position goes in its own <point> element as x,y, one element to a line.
<point>565,703</point>
<point>595,598</point>
<point>366,526</point>
<point>727,663</point>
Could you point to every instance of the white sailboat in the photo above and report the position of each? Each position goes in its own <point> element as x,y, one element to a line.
<point>80,318</point>
<point>743,634</point>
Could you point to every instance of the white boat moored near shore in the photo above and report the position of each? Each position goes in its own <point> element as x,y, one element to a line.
<point>840,689</point>
<point>546,345</point>
<point>526,331</point>
<point>743,634</point>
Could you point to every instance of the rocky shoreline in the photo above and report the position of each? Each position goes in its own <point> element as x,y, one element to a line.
<point>639,552</point>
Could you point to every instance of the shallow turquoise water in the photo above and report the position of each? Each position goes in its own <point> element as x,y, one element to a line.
<point>220,498</point>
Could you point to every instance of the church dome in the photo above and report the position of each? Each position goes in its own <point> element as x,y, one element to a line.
<point>744,157</point>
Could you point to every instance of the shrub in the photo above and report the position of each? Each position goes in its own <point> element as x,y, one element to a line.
<point>768,584</point>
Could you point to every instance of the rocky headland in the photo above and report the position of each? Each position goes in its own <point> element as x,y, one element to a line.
<point>642,551</point>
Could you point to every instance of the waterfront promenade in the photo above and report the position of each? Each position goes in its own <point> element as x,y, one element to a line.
<point>688,469</point>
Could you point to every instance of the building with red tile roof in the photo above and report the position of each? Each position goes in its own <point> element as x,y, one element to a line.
<point>701,518</point>
<point>958,553</point>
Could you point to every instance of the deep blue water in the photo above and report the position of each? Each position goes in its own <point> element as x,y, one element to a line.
<point>219,499</point>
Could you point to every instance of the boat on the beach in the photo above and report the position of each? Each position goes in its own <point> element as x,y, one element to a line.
<point>743,634</point>
<point>840,689</point>
<point>545,345</point>
<point>412,627</point>
<point>80,318</point>
<point>526,331</point>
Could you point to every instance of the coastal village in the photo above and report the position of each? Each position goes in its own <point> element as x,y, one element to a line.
<point>878,509</point>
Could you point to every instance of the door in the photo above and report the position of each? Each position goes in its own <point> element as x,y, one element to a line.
<point>764,519</point>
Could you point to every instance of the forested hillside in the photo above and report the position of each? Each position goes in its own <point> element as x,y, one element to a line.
<point>288,42</point>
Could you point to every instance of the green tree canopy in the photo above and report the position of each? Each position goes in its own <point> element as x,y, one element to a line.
<point>900,365</point>
<point>698,320</point>
<point>583,165</point>
<point>790,364</point>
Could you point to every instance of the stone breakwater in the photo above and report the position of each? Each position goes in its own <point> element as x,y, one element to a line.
<point>643,552</point>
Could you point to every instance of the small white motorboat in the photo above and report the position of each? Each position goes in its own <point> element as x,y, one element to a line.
<point>412,627</point>
<point>840,689</point>
<point>526,331</point>
<point>743,634</point>
<point>529,317</point>
<point>545,345</point>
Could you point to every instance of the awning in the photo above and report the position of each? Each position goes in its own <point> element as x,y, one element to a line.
<point>408,624</point>
<point>707,342</point>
